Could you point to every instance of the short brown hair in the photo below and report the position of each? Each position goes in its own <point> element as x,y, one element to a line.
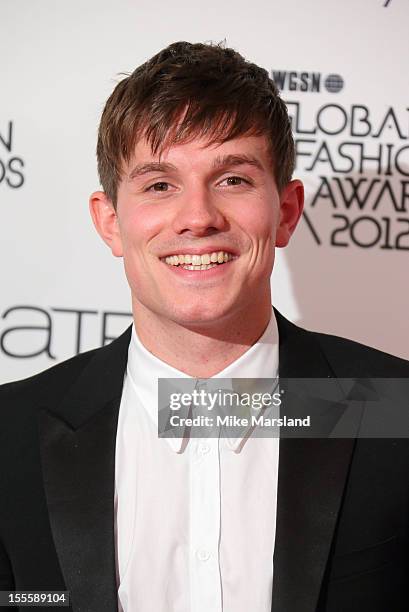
<point>189,90</point>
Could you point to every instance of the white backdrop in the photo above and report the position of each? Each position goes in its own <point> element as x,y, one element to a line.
<point>346,271</point>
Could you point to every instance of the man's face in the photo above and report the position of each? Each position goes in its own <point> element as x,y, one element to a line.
<point>198,206</point>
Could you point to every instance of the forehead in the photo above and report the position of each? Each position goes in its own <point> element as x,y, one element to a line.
<point>202,152</point>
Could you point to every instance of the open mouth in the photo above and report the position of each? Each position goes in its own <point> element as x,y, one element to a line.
<point>199,262</point>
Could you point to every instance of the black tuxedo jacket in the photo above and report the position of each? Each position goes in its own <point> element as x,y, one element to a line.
<point>343,504</point>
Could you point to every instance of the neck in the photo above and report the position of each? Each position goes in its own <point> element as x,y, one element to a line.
<point>201,352</point>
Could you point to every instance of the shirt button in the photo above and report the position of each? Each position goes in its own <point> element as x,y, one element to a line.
<point>203,448</point>
<point>203,555</point>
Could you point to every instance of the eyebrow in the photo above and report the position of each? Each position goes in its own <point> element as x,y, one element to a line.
<point>142,169</point>
<point>219,162</point>
<point>237,160</point>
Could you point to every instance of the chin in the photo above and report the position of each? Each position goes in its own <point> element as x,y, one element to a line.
<point>198,315</point>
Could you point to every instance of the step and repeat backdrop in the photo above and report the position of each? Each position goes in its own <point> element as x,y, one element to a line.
<point>342,70</point>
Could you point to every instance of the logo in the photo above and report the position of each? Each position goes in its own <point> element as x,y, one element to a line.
<point>11,165</point>
<point>358,160</point>
<point>30,330</point>
<point>307,81</point>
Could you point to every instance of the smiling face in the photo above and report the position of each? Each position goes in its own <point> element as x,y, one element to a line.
<point>179,216</point>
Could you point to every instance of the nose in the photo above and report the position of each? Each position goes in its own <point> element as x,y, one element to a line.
<point>198,213</point>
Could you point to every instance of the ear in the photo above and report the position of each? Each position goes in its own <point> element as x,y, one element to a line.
<point>291,206</point>
<point>106,221</point>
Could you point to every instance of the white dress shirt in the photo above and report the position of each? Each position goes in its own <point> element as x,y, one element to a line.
<point>194,518</point>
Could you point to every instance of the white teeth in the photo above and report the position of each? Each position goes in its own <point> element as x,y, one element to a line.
<point>199,261</point>
<point>202,267</point>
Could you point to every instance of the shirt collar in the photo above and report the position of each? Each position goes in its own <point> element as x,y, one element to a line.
<point>144,369</point>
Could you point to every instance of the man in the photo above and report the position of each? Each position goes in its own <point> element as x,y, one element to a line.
<point>195,156</point>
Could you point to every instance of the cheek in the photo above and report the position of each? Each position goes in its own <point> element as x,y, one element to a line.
<point>260,223</point>
<point>138,228</point>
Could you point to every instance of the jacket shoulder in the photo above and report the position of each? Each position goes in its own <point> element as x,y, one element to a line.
<point>353,359</point>
<point>52,384</point>
<point>52,381</point>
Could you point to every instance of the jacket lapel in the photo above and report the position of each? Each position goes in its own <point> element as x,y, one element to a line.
<point>77,441</point>
<point>311,480</point>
